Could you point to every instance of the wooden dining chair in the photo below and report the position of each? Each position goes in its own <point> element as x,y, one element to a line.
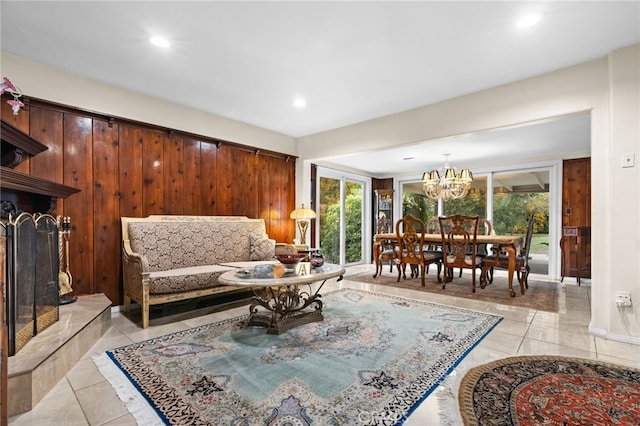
<point>410,235</point>
<point>459,245</point>
<point>387,252</point>
<point>499,259</point>
<point>484,228</point>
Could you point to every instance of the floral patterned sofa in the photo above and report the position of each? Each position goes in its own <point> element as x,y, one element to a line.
<point>170,258</point>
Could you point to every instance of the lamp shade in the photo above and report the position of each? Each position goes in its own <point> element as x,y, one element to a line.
<point>303,213</point>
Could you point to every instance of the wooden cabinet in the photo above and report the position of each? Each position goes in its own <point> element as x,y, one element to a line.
<point>383,211</point>
<point>576,218</point>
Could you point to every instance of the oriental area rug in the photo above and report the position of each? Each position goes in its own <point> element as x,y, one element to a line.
<point>550,390</point>
<point>372,360</point>
<point>541,295</point>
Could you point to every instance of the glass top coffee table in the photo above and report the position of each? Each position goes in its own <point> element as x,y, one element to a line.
<point>280,304</point>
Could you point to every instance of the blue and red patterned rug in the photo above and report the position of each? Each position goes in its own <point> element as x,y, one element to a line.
<point>373,360</point>
<point>550,390</point>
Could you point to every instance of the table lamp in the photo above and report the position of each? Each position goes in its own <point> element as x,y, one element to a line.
<point>302,217</point>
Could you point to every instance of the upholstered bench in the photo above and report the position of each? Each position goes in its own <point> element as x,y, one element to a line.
<point>171,258</point>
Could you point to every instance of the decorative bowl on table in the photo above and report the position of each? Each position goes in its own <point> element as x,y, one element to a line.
<point>317,259</point>
<point>290,260</point>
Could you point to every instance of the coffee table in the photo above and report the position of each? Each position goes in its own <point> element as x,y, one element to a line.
<point>287,301</point>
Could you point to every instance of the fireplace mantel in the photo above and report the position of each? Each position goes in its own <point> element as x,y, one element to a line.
<point>17,146</point>
<point>21,191</point>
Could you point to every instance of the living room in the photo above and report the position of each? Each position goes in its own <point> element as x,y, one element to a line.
<point>606,87</point>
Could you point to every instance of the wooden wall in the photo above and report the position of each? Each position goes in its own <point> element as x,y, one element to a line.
<point>126,168</point>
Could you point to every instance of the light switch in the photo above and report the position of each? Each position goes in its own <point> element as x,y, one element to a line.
<point>628,159</point>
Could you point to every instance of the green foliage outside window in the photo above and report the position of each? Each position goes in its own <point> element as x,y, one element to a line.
<point>510,212</point>
<point>419,206</point>
<point>330,225</point>
<point>471,205</point>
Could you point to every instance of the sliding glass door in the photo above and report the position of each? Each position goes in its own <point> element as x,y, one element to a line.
<point>516,196</point>
<point>341,218</point>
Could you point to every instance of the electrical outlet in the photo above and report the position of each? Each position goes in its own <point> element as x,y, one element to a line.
<point>623,298</point>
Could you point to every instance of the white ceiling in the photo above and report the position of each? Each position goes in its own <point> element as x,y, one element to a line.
<point>351,61</point>
<point>564,137</point>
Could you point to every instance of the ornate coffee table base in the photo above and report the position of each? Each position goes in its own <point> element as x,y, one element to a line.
<point>282,303</point>
<point>286,307</point>
<point>279,326</point>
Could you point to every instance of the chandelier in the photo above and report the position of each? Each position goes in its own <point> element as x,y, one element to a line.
<point>446,182</point>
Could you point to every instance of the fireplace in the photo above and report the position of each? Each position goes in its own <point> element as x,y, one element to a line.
<point>32,277</point>
<point>31,253</point>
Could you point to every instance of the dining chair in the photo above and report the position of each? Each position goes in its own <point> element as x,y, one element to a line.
<point>499,259</point>
<point>459,245</point>
<point>410,243</point>
<point>484,228</point>
<point>387,252</point>
<point>433,227</point>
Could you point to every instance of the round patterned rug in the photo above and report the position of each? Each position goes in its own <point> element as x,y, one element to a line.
<point>535,390</point>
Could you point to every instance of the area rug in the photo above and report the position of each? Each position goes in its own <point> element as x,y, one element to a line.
<point>372,360</point>
<point>541,295</point>
<point>550,390</point>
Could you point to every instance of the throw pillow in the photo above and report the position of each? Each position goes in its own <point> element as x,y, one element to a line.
<point>262,248</point>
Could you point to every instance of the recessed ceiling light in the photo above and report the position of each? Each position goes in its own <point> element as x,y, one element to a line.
<point>299,103</point>
<point>529,20</point>
<point>160,41</point>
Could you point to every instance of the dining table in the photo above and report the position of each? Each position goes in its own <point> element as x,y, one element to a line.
<point>510,244</point>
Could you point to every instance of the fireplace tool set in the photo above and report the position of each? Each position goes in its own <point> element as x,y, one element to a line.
<point>64,277</point>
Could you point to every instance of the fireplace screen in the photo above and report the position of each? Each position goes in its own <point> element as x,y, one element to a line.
<point>32,277</point>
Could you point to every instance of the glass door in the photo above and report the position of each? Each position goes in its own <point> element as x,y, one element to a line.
<point>516,196</point>
<point>341,218</point>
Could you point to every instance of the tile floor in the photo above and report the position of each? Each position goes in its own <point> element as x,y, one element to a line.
<point>84,397</point>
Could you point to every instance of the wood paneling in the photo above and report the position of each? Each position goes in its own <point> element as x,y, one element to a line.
<point>224,179</point>
<point>106,207</point>
<point>173,175</point>
<point>78,173</point>
<point>46,128</point>
<point>153,143</point>
<point>192,194</point>
<point>130,171</point>
<point>209,177</point>
<point>126,168</point>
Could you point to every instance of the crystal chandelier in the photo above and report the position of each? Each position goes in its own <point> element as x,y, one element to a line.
<point>446,182</point>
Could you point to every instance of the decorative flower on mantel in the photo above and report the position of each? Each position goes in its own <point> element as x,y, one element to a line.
<point>7,86</point>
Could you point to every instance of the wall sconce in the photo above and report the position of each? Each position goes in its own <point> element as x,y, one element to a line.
<point>302,217</point>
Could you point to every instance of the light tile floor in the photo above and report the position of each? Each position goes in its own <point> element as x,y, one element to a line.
<point>84,397</point>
